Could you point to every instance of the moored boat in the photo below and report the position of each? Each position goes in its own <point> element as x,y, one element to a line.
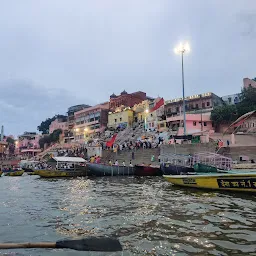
<point>14,173</point>
<point>59,167</point>
<point>147,170</point>
<point>172,169</point>
<point>198,167</point>
<point>109,170</point>
<point>230,181</point>
<point>59,173</point>
<point>1,173</point>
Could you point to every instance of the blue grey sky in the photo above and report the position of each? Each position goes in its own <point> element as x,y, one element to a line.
<point>55,53</point>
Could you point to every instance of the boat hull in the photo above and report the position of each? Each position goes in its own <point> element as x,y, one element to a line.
<point>170,169</point>
<point>144,170</point>
<point>245,182</point>
<point>1,173</point>
<point>14,173</point>
<point>108,170</point>
<point>59,174</point>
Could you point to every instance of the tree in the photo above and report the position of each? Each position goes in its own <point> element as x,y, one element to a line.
<point>229,113</point>
<point>44,126</point>
<point>10,141</point>
<point>52,138</point>
<point>224,114</point>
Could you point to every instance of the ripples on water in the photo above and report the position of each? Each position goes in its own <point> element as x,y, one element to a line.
<point>148,215</point>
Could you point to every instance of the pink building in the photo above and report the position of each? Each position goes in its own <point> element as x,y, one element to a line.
<point>249,82</point>
<point>91,120</point>
<point>58,124</point>
<point>28,143</point>
<point>195,123</point>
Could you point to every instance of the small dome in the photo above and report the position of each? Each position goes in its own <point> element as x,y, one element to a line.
<point>123,92</point>
<point>113,96</point>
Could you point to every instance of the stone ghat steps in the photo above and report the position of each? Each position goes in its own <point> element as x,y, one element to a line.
<point>140,156</point>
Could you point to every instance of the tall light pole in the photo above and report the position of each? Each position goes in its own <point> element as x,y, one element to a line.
<point>146,112</point>
<point>181,49</point>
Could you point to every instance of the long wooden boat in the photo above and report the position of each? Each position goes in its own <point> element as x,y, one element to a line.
<point>171,169</point>
<point>60,173</point>
<point>230,181</point>
<point>14,173</point>
<point>109,170</point>
<point>147,170</point>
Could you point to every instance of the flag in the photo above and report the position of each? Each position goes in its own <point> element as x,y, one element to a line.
<point>159,104</point>
<point>111,141</point>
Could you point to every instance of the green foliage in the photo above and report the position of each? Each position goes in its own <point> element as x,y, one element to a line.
<point>44,126</point>
<point>229,113</point>
<point>10,141</point>
<point>224,114</point>
<point>52,138</point>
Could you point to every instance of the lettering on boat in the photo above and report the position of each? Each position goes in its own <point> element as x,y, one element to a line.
<point>189,181</point>
<point>237,183</point>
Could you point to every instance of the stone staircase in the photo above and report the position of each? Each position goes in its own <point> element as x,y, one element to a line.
<point>140,156</point>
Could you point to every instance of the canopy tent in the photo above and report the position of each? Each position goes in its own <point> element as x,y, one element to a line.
<point>241,120</point>
<point>67,159</point>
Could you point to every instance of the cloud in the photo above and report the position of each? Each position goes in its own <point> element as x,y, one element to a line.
<point>24,104</point>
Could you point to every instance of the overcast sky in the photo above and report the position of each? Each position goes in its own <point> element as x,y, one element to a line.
<point>55,53</point>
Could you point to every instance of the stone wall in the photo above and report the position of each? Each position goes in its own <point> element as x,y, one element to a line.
<point>187,149</point>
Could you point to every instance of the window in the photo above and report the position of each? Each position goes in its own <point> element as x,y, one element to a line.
<point>194,123</point>
<point>208,103</point>
<point>229,100</point>
<point>120,119</point>
<point>203,105</point>
<point>205,123</point>
<point>177,109</point>
<point>196,106</point>
<point>115,120</point>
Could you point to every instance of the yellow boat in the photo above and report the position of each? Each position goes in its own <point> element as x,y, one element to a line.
<point>64,167</point>
<point>231,181</point>
<point>58,174</point>
<point>1,173</point>
<point>14,173</point>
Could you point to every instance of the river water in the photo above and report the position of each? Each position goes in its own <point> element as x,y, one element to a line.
<point>148,215</point>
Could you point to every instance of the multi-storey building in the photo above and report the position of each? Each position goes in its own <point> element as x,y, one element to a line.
<point>231,99</point>
<point>90,120</point>
<point>249,82</point>
<point>28,143</point>
<point>126,99</point>
<point>58,123</point>
<point>198,109</point>
<point>71,114</point>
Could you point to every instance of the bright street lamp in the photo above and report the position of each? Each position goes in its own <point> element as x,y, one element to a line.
<point>181,49</point>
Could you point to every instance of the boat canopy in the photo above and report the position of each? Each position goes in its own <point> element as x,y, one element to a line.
<point>67,159</point>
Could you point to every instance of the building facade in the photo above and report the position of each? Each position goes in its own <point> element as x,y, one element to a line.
<point>195,123</point>
<point>90,120</point>
<point>126,99</point>
<point>58,124</point>
<point>194,104</point>
<point>71,114</point>
<point>28,143</point>
<point>231,99</point>
<point>120,118</point>
<point>249,82</point>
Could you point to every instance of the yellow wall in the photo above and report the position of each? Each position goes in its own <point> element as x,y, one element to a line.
<point>125,116</point>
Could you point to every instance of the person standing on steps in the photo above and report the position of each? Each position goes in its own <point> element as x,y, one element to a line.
<point>133,156</point>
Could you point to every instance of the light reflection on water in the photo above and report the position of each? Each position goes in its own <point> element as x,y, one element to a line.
<point>148,215</point>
